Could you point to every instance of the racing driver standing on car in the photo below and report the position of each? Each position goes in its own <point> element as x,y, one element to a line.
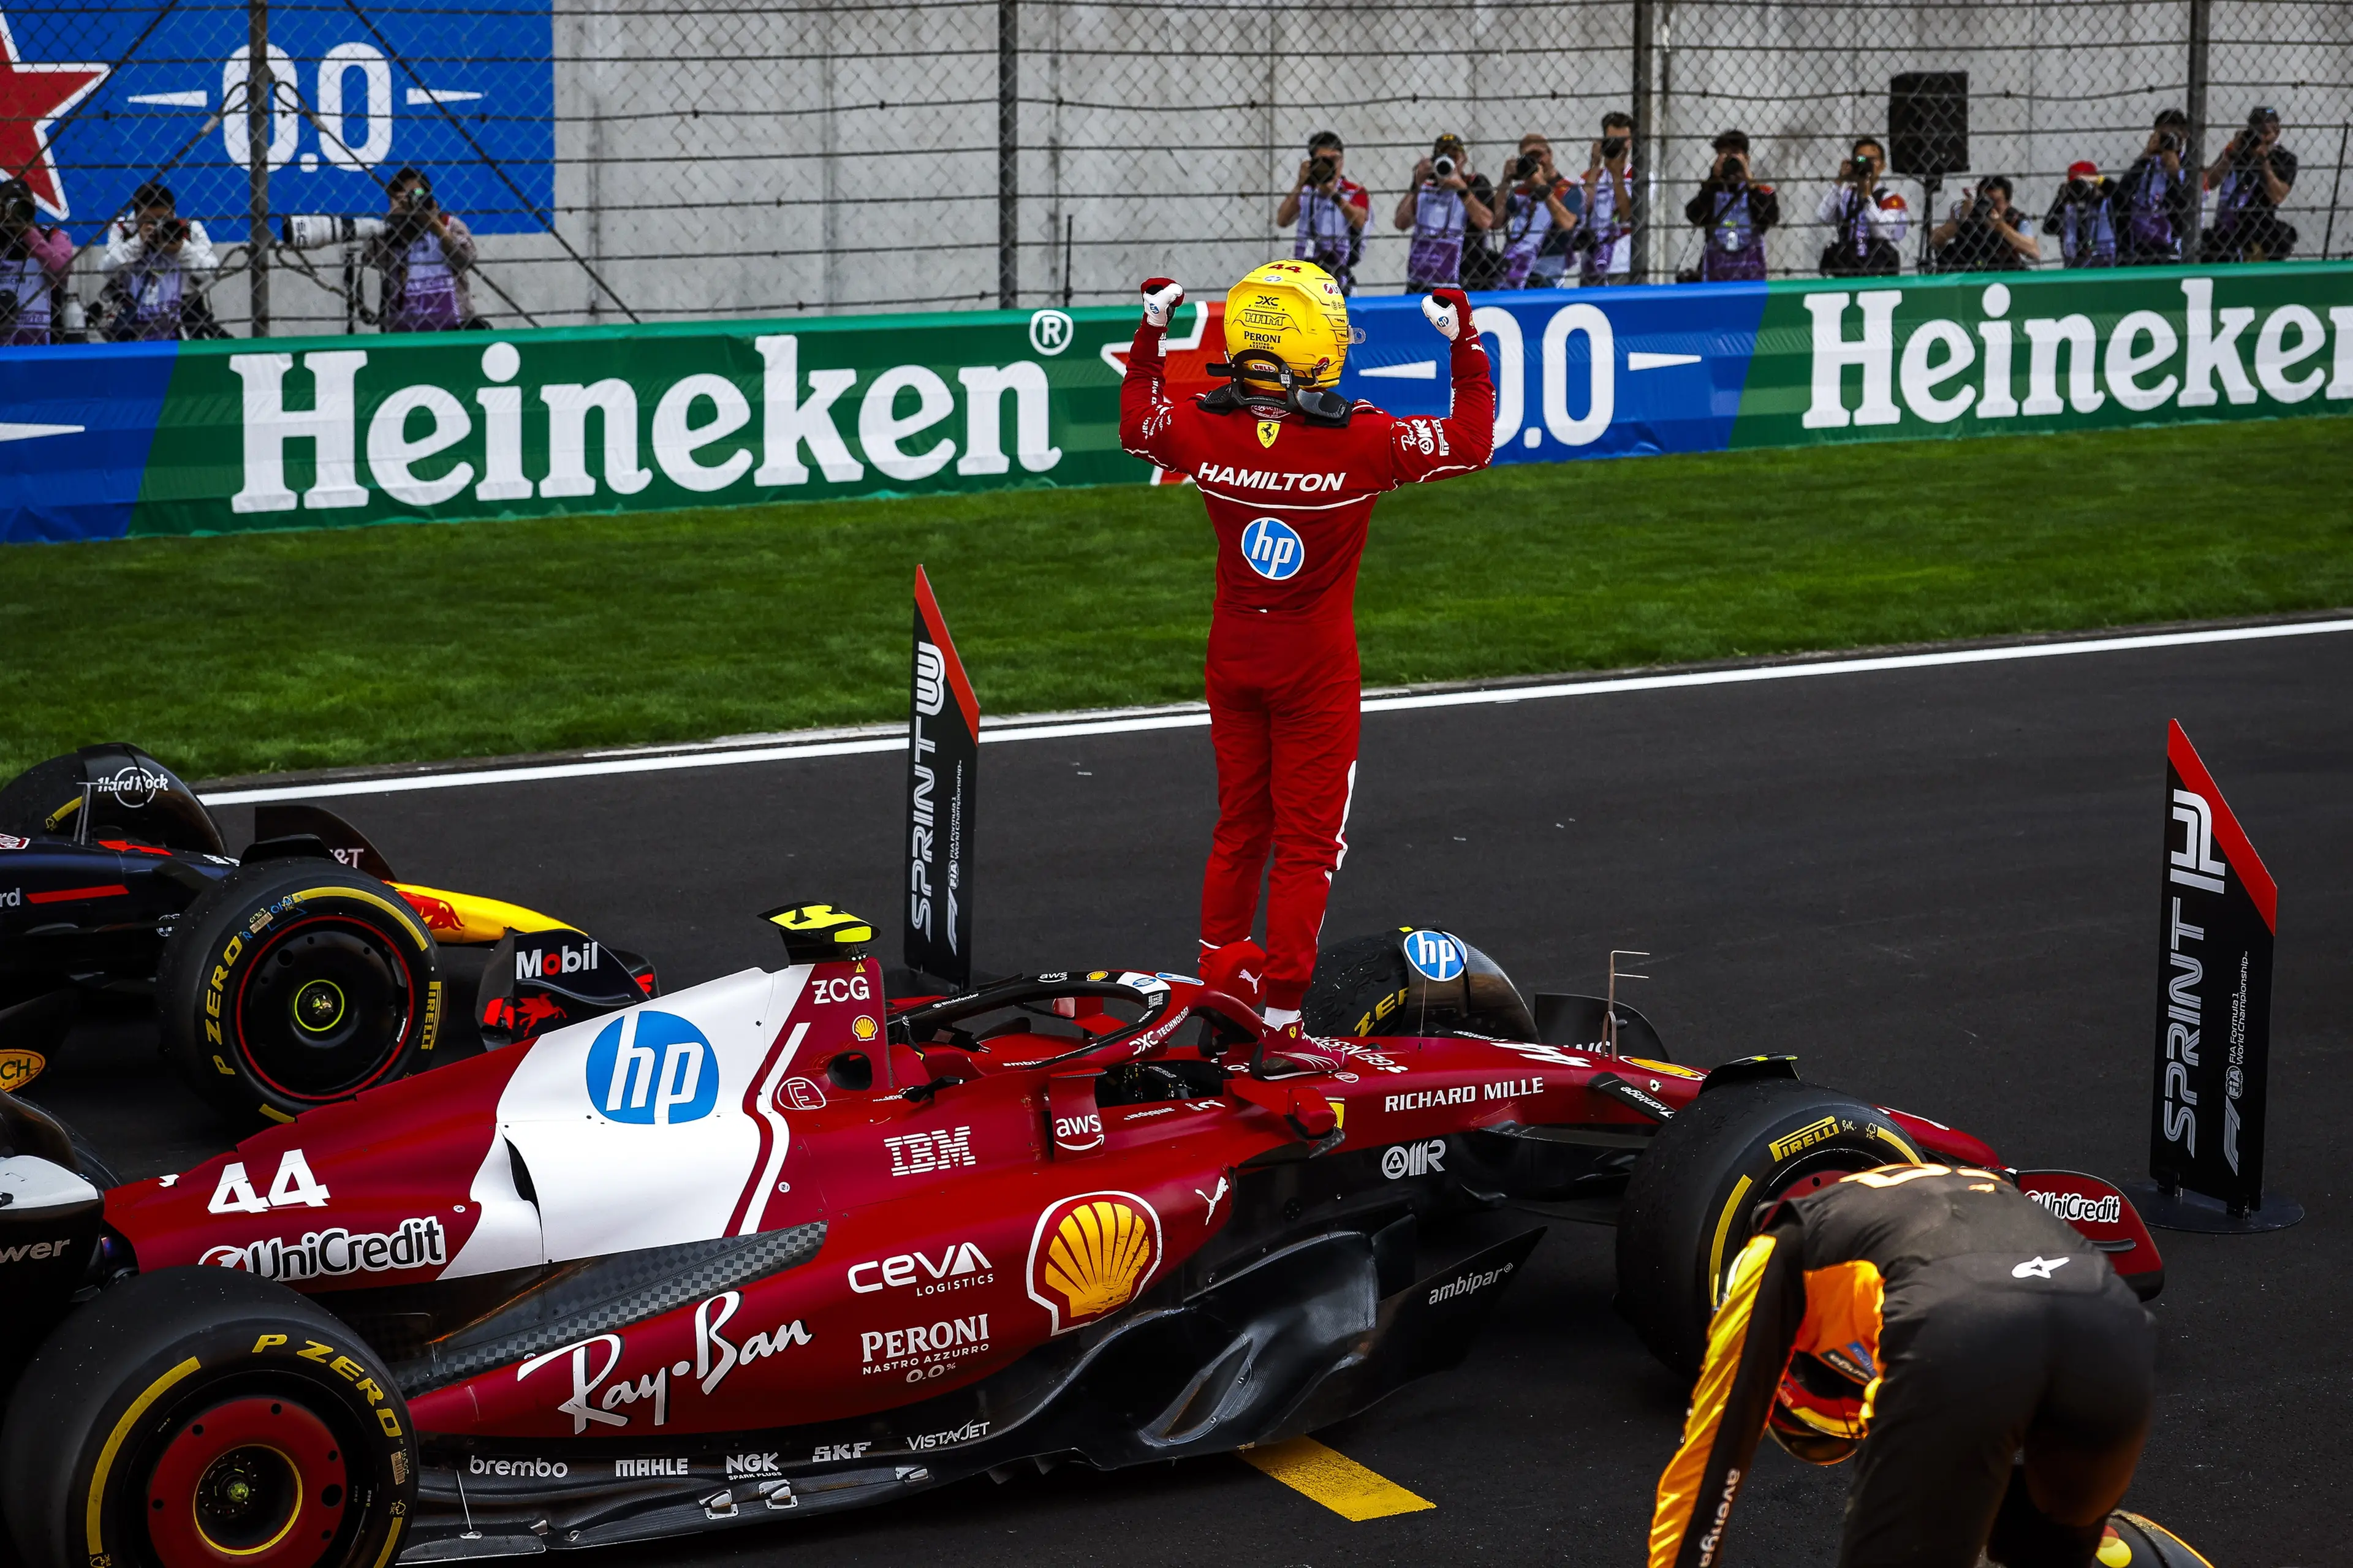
<point>1289,471</point>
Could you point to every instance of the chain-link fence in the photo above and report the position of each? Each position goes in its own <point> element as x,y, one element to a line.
<point>643,160</point>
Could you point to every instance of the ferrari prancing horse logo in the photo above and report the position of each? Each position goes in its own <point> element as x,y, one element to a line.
<point>1268,429</point>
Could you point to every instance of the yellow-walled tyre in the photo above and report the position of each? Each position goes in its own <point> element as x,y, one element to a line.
<point>293,983</point>
<point>1691,1204</point>
<point>203,1419</point>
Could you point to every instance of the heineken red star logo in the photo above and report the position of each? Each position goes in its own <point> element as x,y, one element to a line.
<point>35,95</point>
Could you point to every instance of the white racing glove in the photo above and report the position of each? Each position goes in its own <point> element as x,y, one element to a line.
<point>1161,298</point>
<point>1448,311</point>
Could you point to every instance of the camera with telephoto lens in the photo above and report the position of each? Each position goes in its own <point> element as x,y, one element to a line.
<point>1859,168</point>
<point>1525,166</point>
<point>316,231</point>
<point>17,211</point>
<point>1612,146</point>
<point>1443,166</point>
<point>1322,172</point>
<point>2166,141</point>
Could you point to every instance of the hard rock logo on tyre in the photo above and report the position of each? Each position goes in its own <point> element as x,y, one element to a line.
<point>1090,1254</point>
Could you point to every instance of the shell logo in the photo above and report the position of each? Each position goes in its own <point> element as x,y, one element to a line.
<point>1090,1254</point>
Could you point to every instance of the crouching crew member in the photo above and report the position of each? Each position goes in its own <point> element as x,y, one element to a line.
<point>1993,1371</point>
<point>1289,471</point>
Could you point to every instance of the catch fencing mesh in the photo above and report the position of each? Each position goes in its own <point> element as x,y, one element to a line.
<point>644,160</point>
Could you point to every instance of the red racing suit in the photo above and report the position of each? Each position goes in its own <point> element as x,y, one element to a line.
<point>1290,499</point>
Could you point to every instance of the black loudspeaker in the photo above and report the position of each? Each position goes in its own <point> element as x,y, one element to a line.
<point>1928,124</point>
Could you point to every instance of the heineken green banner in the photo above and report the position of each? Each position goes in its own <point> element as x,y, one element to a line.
<point>214,438</point>
<point>1984,355</point>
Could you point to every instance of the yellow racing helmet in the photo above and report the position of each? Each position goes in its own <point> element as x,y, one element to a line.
<point>1294,310</point>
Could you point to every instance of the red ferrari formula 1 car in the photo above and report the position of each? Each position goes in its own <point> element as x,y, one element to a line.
<point>775,1245</point>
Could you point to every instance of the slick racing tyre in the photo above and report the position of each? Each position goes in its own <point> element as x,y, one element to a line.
<point>1694,1197</point>
<point>204,1418</point>
<point>292,984</point>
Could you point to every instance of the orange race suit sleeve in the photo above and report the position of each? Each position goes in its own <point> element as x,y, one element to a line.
<point>1774,1305</point>
<point>1748,1346</point>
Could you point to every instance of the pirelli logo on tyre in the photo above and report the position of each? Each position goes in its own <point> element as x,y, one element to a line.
<point>216,983</point>
<point>1805,1137</point>
<point>432,1016</point>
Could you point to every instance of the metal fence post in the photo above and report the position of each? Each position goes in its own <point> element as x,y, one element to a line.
<point>1009,153</point>
<point>1644,111</point>
<point>2336,187</point>
<point>260,106</point>
<point>2200,31</point>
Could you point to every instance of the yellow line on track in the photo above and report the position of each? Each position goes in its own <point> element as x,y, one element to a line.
<point>1334,1479</point>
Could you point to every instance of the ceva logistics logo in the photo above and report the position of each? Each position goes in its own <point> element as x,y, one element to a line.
<point>652,1068</point>
<point>1273,549</point>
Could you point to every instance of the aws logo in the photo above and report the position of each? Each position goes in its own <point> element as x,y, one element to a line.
<point>1090,1254</point>
<point>652,1068</point>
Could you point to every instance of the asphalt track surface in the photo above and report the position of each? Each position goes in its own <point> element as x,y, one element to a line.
<point>1938,887</point>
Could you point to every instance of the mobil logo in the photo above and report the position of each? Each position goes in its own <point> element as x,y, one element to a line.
<point>559,958</point>
<point>652,1068</point>
<point>1433,954</point>
<point>1273,549</point>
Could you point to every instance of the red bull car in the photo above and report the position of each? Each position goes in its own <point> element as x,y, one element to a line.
<point>297,973</point>
<point>779,1245</point>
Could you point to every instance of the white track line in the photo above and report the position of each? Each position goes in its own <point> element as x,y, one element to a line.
<point>1191,718</point>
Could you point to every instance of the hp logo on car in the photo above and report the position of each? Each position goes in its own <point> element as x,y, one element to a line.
<point>652,1068</point>
<point>1273,549</point>
<point>1433,954</point>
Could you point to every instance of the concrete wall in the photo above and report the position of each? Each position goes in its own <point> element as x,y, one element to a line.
<point>735,160</point>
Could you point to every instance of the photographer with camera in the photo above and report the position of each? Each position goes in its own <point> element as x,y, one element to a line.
<point>1448,202</point>
<point>1533,213</point>
<point>1608,236</point>
<point>1867,224</point>
<point>1331,210</point>
<point>155,265</point>
<point>1985,233</point>
<point>2250,178</point>
<point>33,266</point>
<point>2153,206</point>
<point>2083,216</point>
<point>1733,212</point>
<point>424,253</point>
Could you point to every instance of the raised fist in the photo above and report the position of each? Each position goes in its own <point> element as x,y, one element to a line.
<point>1161,298</point>
<point>1448,311</point>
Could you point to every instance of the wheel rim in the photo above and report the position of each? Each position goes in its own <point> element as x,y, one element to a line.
<point>1810,1173</point>
<point>324,1008</point>
<point>256,1482</point>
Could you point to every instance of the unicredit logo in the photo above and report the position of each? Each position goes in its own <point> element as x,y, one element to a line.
<point>652,1067</point>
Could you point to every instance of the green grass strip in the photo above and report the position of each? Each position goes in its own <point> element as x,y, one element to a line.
<point>261,652</point>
